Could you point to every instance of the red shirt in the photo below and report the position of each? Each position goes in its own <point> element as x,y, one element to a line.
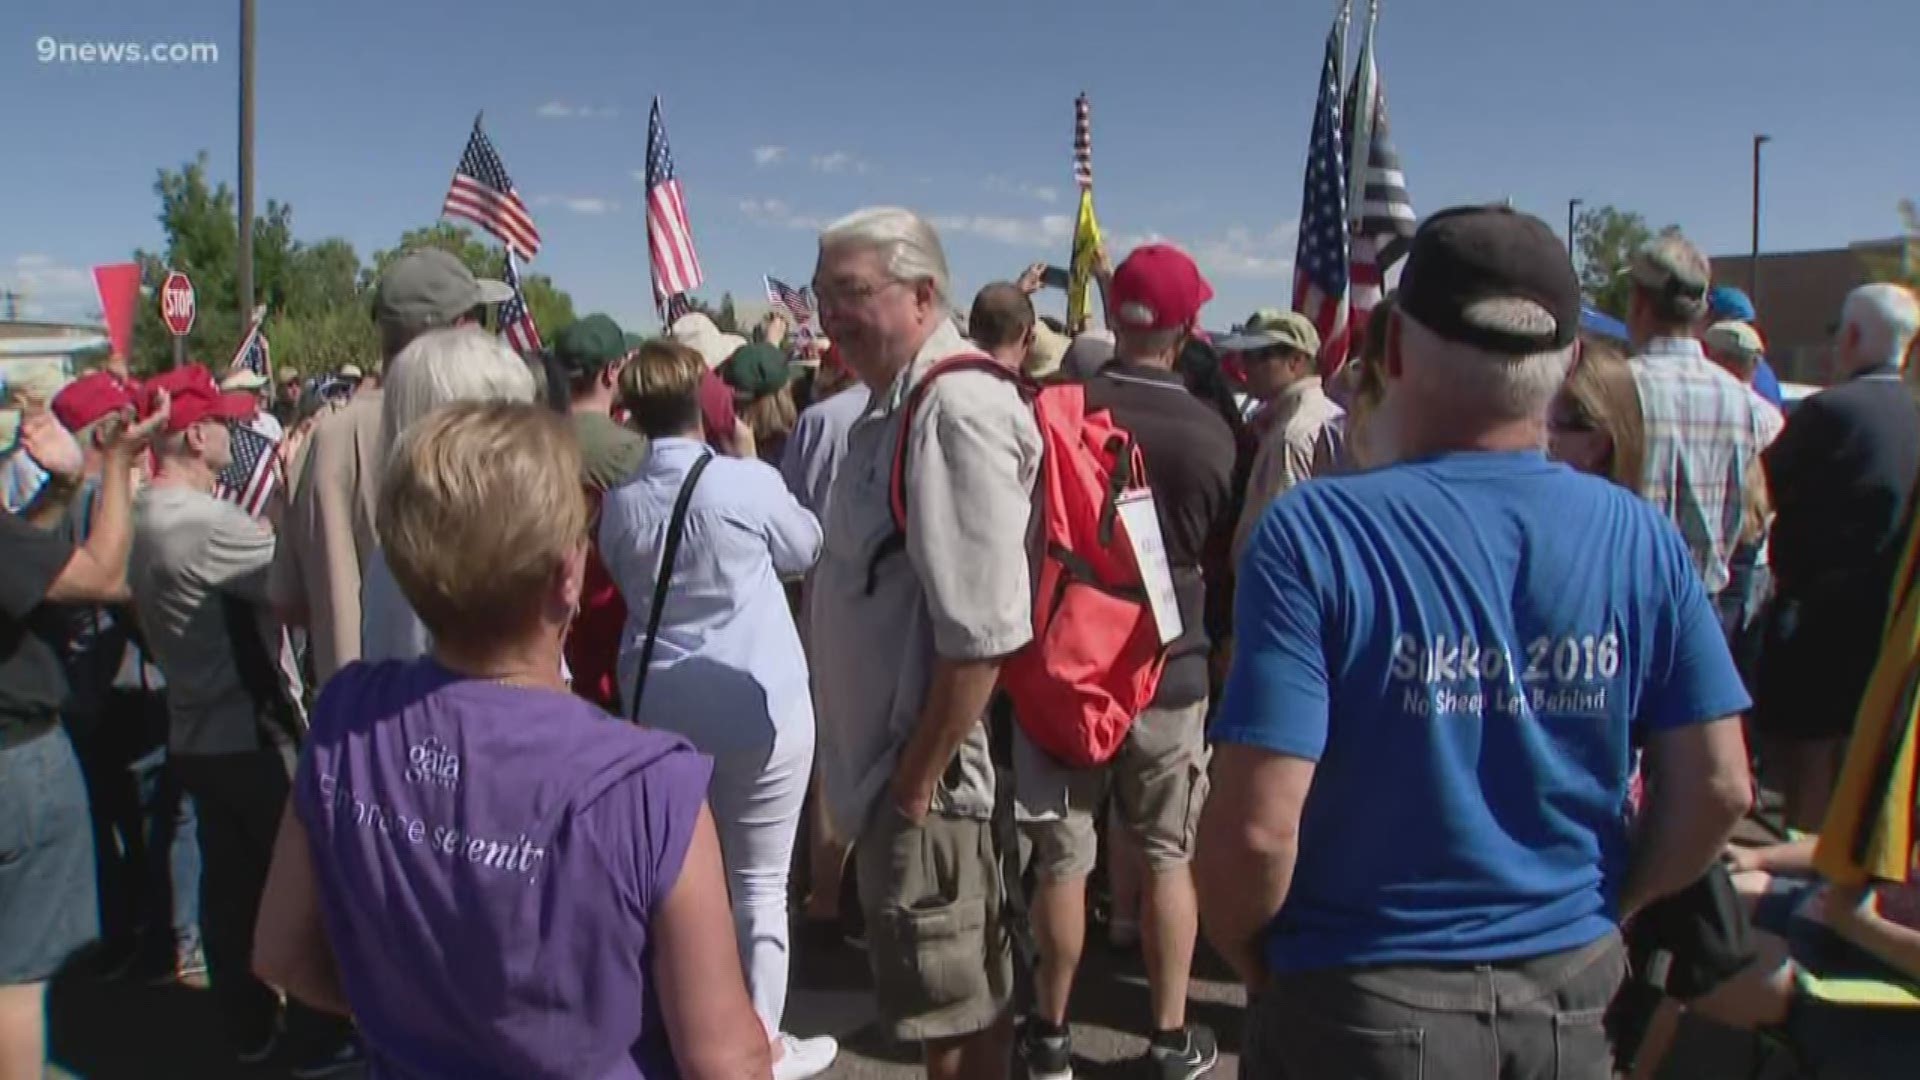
<point>717,417</point>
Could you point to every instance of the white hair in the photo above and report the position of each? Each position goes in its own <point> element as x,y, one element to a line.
<point>904,239</point>
<point>440,367</point>
<point>1886,317</point>
<point>1469,381</point>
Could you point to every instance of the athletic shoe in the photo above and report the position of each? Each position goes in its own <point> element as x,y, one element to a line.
<point>1195,1057</point>
<point>332,1061</point>
<point>804,1058</point>
<point>1048,1057</point>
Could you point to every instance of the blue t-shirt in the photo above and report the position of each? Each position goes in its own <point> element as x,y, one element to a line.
<point>1466,645</point>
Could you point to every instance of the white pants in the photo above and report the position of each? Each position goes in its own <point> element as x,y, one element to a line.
<point>758,792</point>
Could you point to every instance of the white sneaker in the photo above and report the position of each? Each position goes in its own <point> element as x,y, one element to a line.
<point>804,1058</point>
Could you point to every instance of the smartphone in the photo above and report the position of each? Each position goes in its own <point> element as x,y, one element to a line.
<point>1054,277</point>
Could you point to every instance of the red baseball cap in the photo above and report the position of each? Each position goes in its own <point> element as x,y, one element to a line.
<point>196,397</point>
<point>1158,287</point>
<point>91,397</point>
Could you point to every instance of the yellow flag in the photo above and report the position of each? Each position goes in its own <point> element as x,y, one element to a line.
<point>1868,833</point>
<point>1086,241</point>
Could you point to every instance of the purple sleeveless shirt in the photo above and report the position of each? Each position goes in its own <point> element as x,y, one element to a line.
<point>490,859</point>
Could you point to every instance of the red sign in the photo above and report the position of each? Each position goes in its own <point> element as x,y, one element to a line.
<point>176,303</point>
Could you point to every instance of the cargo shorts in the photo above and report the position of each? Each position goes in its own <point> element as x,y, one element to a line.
<point>1159,784</point>
<point>941,955</point>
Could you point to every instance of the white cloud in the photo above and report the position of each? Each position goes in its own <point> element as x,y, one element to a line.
<point>1013,231</point>
<point>45,288</point>
<point>1240,252</point>
<point>560,110</point>
<point>777,213</point>
<point>839,161</point>
<point>764,156</point>
<point>579,204</point>
<point>1005,186</point>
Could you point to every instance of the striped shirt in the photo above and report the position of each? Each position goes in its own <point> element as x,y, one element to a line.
<point>1704,432</point>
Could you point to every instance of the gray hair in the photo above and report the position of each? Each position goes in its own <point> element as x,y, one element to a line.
<point>1887,318</point>
<point>904,239</point>
<point>440,367</point>
<point>1466,379</point>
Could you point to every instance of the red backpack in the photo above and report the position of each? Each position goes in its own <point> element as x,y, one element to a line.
<point>1095,659</point>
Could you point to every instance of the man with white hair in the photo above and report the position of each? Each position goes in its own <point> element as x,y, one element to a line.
<point>440,367</point>
<point>1414,853</point>
<point>908,634</point>
<point>1704,430</point>
<point>1841,475</point>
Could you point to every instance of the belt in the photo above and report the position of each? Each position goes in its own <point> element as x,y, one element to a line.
<point>22,732</point>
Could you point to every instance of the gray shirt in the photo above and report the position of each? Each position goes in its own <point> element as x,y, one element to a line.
<point>961,588</point>
<point>191,553</point>
<point>818,442</point>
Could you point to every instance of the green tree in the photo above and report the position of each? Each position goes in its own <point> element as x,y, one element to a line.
<point>728,320</point>
<point>552,309</point>
<point>1903,266</point>
<point>300,285</point>
<point>1606,239</point>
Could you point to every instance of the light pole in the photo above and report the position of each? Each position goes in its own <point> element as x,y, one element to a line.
<point>244,267</point>
<point>1753,262</point>
<point>1572,206</point>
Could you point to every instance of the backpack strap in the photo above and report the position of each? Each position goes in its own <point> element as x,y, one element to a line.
<point>910,410</point>
<point>676,528</point>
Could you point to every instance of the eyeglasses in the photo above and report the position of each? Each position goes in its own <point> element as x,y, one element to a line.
<point>850,293</point>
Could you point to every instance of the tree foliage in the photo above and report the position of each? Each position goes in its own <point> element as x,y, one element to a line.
<point>1903,266</point>
<point>1606,238</point>
<point>318,295</point>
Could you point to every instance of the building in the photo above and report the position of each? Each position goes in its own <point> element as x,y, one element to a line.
<point>1799,296</point>
<point>27,346</point>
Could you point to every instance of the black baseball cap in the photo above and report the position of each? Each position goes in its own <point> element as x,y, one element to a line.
<point>1464,257</point>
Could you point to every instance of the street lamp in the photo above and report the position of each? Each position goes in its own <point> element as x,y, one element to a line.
<point>1572,205</point>
<point>1753,262</point>
<point>244,267</point>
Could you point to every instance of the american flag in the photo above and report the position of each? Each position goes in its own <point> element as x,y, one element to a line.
<point>1320,263</point>
<point>255,472</point>
<point>1382,219</point>
<point>482,194</point>
<point>797,302</point>
<point>253,354</point>
<point>516,322</point>
<point>1082,142</point>
<point>678,307</point>
<point>676,269</point>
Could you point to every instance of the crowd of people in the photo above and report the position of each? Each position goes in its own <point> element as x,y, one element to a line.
<point>495,746</point>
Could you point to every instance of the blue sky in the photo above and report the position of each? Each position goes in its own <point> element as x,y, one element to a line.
<point>782,117</point>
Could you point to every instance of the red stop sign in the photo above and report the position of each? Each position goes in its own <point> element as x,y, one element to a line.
<point>176,303</point>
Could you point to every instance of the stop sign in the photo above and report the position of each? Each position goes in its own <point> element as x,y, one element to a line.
<point>176,303</point>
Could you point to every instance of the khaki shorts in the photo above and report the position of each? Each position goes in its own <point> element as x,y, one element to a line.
<point>1159,781</point>
<point>942,959</point>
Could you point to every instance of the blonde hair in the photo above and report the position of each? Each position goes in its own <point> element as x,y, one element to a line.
<point>480,506</point>
<point>661,387</point>
<point>771,417</point>
<point>1600,391</point>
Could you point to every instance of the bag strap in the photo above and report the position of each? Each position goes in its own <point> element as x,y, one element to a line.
<point>909,411</point>
<point>676,528</point>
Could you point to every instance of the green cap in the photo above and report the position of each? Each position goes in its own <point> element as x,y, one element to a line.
<point>1271,328</point>
<point>589,345</point>
<point>757,370</point>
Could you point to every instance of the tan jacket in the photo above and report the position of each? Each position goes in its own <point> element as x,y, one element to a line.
<point>1305,420</point>
<point>328,533</point>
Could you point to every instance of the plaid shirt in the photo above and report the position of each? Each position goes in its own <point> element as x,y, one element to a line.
<point>1703,434</point>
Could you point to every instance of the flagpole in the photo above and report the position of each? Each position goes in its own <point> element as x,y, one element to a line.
<point>1364,91</point>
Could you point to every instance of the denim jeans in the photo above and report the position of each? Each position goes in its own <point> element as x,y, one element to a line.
<point>46,854</point>
<point>1535,1019</point>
